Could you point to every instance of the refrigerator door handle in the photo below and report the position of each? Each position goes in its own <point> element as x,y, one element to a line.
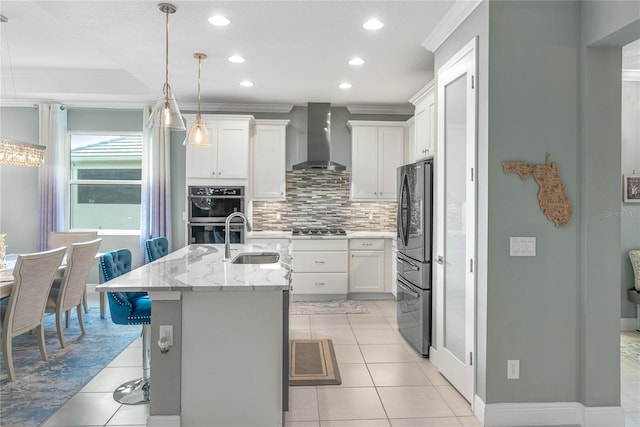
<point>409,263</point>
<point>405,287</point>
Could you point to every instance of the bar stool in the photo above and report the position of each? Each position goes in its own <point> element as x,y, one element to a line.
<point>129,308</point>
<point>156,248</point>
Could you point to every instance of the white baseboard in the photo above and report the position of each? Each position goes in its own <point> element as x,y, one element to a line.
<point>163,421</point>
<point>433,356</point>
<point>547,414</point>
<point>628,323</point>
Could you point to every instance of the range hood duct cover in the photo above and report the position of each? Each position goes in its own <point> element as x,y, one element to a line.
<point>319,139</point>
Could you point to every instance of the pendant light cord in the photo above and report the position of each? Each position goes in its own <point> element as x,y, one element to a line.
<point>166,55</point>
<point>199,68</point>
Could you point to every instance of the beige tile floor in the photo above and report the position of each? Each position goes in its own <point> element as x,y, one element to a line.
<point>385,383</point>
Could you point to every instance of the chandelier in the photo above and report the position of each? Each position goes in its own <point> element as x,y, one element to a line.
<point>15,153</point>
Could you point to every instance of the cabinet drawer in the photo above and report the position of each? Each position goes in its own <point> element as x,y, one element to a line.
<point>319,244</point>
<point>320,262</point>
<point>309,283</point>
<point>366,244</point>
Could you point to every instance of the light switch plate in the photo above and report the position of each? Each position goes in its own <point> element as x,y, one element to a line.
<point>522,246</point>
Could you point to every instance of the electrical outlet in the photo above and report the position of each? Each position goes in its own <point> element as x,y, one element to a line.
<point>166,331</point>
<point>278,216</point>
<point>370,216</point>
<point>513,369</point>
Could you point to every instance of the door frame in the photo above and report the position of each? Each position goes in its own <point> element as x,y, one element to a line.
<point>470,51</point>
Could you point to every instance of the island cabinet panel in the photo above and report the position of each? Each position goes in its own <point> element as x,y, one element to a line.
<point>232,355</point>
<point>320,268</point>
<point>228,155</point>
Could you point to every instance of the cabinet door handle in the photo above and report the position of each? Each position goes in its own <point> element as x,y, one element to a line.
<point>367,244</point>
<point>319,283</point>
<point>319,262</point>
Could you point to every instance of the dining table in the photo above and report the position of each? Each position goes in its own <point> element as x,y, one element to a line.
<point>6,278</point>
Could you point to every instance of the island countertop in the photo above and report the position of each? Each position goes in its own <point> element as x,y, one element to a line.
<point>201,267</point>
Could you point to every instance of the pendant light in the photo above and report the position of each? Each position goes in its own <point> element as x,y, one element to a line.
<point>166,113</point>
<point>198,135</point>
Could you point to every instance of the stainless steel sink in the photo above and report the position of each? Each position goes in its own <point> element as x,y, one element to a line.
<point>256,258</point>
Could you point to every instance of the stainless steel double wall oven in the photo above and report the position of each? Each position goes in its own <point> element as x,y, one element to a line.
<point>209,208</point>
<point>415,231</point>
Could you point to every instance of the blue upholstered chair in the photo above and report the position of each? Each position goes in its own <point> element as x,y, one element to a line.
<point>156,248</point>
<point>129,308</point>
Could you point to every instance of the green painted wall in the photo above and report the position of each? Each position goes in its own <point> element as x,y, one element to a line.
<point>542,90</point>
<point>18,186</point>
<point>532,302</point>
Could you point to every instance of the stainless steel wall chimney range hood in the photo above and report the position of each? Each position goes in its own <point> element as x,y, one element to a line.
<point>319,139</point>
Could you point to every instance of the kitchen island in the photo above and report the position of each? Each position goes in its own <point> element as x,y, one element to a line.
<point>225,367</point>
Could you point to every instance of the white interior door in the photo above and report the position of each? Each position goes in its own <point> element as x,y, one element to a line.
<point>456,219</point>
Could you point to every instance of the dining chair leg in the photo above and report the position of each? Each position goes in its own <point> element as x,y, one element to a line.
<point>81,318</point>
<point>67,319</point>
<point>85,304</point>
<point>59,327</point>
<point>8,356</point>
<point>43,347</point>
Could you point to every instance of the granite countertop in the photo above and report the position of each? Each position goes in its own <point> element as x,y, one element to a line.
<point>200,267</point>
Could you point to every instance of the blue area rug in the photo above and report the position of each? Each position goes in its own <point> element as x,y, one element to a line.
<point>42,387</point>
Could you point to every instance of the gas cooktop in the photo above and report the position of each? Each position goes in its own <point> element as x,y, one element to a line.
<point>321,232</point>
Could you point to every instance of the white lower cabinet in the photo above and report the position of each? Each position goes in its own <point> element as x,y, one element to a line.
<point>367,261</point>
<point>319,269</point>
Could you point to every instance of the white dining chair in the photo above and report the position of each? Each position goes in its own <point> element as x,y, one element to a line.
<point>67,238</point>
<point>68,291</point>
<point>33,275</point>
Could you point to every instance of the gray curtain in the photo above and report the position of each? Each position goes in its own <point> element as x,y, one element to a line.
<point>156,185</point>
<point>52,175</point>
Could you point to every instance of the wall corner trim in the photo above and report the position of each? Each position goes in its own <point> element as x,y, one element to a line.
<point>547,414</point>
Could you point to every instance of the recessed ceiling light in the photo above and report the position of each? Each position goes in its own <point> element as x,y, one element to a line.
<point>237,59</point>
<point>356,61</point>
<point>373,25</point>
<point>246,83</point>
<point>345,86</point>
<point>219,20</point>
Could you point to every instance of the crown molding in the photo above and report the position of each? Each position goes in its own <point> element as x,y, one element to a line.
<point>138,105</point>
<point>240,108</point>
<point>631,75</point>
<point>403,109</point>
<point>460,10</point>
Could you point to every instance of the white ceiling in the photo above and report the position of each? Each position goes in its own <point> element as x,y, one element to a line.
<point>92,52</point>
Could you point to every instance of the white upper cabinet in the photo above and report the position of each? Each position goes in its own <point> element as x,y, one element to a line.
<point>268,159</point>
<point>228,154</point>
<point>377,151</point>
<point>423,142</point>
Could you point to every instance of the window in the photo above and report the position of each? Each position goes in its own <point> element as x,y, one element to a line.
<point>105,181</point>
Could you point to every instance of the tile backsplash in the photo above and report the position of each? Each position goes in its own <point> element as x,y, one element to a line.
<point>321,199</point>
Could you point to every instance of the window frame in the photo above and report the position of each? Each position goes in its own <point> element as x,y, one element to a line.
<point>69,183</point>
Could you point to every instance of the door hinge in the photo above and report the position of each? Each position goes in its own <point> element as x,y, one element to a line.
<point>471,358</point>
<point>472,174</point>
<point>471,265</point>
<point>473,82</point>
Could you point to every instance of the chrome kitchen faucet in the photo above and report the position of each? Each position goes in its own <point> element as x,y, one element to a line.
<point>227,246</point>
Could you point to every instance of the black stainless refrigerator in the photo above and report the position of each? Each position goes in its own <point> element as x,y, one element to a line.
<point>415,232</point>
